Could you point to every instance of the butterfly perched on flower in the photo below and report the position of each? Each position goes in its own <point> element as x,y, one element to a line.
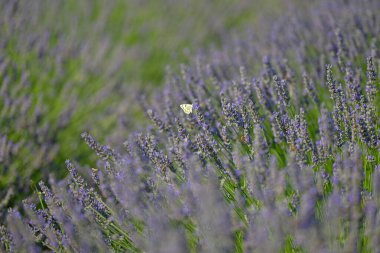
<point>187,108</point>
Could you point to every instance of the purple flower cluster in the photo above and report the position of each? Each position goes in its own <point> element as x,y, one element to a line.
<point>277,155</point>
<point>44,93</point>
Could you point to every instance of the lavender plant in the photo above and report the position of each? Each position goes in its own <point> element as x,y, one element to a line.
<point>280,153</point>
<point>66,66</point>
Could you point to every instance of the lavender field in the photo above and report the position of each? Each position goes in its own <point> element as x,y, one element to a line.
<point>245,127</point>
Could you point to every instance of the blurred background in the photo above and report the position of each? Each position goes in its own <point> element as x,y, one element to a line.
<point>70,66</point>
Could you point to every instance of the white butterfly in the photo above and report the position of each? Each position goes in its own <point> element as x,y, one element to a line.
<point>187,108</point>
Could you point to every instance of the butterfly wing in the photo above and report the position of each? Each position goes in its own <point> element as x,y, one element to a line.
<point>187,108</point>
